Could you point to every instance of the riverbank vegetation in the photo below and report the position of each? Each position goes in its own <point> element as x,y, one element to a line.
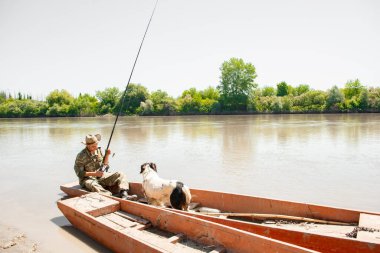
<point>237,93</point>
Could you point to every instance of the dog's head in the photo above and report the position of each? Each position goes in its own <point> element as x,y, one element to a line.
<point>145,166</point>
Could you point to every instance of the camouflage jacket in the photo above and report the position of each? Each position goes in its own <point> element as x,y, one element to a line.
<point>87,162</point>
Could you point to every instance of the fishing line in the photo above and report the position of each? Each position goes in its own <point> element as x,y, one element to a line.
<point>126,88</point>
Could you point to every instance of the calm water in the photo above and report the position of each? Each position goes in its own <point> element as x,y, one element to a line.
<point>322,159</point>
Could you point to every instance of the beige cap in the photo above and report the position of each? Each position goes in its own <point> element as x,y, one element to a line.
<point>91,139</point>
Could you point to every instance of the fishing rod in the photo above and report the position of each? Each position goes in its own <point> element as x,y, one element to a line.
<point>103,167</point>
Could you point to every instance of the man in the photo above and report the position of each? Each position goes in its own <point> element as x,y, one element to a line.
<point>87,167</point>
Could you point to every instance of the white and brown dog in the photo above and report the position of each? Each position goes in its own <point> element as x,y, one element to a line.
<point>163,192</point>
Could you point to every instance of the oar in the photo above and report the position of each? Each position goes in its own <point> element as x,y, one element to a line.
<point>259,216</point>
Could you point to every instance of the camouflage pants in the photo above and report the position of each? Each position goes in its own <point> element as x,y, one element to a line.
<point>108,184</point>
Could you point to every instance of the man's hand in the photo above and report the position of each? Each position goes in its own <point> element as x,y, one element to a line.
<point>99,173</point>
<point>105,161</point>
<point>94,174</point>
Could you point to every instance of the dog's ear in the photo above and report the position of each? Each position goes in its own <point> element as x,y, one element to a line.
<point>142,168</point>
<point>153,166</point>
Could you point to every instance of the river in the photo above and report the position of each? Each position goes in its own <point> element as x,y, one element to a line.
<point>328,159</point>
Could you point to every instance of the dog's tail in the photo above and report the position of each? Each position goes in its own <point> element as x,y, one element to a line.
<point>180,197</point>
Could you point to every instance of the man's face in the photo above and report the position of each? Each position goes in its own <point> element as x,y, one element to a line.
<point>92,147</point>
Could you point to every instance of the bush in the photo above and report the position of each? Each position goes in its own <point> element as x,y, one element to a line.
<point>23,108</point>
<point>334,97</point>
<point>374,98</point>
<point>268,91</point>
<point>311,101</point>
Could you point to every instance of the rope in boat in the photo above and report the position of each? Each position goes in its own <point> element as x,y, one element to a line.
<point>126,88</point>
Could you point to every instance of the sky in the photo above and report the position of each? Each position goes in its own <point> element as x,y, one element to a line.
<point>84,46</point>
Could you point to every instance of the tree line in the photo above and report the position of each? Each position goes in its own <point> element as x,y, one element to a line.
<point>237,92</point>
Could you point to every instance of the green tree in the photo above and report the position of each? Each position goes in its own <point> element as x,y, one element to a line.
<point>86,105</point>
<point>61,103</point>
<point>136,93</point>
<point>356,97</point>
<point>334,98</point>
<point>364,100</point>
<point>3,97</point>
<point>352,88</point>
<point>162,103</point>
<point>374,98</point>
<point>61,97</point>
<point>301,89</point>
<point>190,101</point>
<point>236,83</point>
<point>210,93</point>
<point>253,104</point>
<point>108,99</point>
<point>282,89</point>
<point>210,100</point>
<point>268,91</point>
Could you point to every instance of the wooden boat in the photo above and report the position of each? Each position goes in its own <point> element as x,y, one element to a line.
<point>126,226</point>
<point>319,237</point>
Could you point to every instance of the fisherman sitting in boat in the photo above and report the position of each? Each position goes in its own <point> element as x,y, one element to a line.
<point>88,167</point>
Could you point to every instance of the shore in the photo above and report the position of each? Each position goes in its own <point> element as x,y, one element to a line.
<point>13,240</point>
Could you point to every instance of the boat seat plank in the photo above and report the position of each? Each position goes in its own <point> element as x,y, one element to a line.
<point>93,202</point>
<point>156,240</point>
<point>142,226</point>
<point>110,223</point>
<point>120,220</point>
<point>176,238</point>
<point>371,222</point>
<point>373,237</point>
<point>132,217</point>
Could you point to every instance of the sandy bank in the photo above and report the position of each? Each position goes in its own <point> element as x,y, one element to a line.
<point>13,240</point>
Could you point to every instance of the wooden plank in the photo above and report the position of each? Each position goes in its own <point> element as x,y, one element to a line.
<point>109,223</point>
<point>137,232</point>
<point>142,226</point>
<point>369,221</point>
<point>369,226</point>
<point>373,237</point>
<point>176,238</point>
<point>94,204</point>
<point>120,220</point>
<point>132,217</point>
